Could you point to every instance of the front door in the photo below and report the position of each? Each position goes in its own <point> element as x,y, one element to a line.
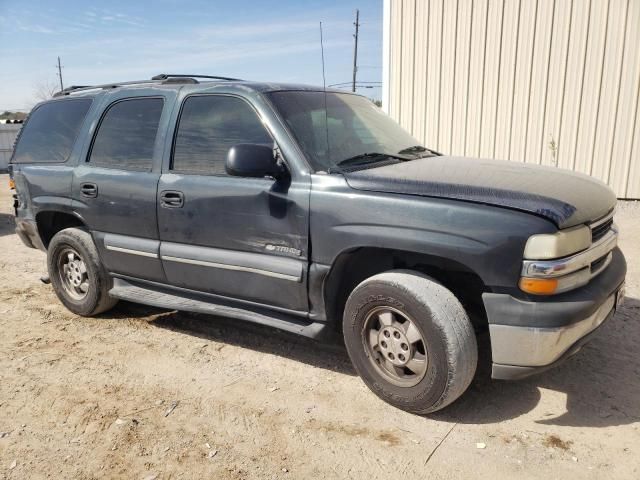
<point>115,185</point>
<point>244,238</point>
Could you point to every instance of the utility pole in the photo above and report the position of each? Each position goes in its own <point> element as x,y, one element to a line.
<point>60,74</point>
<point>355,52</point>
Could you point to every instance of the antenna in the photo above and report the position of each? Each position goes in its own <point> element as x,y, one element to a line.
<point>324,81</point>
<point>60,74</point>
<point>324,87</point>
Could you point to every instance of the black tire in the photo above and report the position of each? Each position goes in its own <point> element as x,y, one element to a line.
<point>95,299</point>
<point>448,339</point>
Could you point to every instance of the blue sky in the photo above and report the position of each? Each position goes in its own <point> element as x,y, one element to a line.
<point>100,42</point>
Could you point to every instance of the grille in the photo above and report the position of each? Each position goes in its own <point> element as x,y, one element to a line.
<point>601,230</point>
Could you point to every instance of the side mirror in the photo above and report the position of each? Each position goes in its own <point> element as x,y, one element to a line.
<point>251,160</point>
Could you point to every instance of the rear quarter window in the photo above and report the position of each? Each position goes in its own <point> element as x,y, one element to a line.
<point>50,132</point>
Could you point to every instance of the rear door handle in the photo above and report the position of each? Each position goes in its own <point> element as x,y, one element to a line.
<point>172,199</point>
<point>89,190</point>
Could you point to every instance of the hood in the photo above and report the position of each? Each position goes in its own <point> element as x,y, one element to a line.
<point>564,197</point>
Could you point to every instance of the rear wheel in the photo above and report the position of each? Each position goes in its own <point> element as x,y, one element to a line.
<point>77,276</point>
<point>410,340</point>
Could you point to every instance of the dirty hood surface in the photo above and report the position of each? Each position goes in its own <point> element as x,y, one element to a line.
<point>564,197</point>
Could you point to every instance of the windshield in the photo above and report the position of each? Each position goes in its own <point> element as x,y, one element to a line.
<point>353,126</point>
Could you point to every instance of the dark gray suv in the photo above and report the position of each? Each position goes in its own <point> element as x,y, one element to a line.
<point>313,212</point>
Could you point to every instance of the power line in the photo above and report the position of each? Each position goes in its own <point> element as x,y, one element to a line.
<point>351,83</point>
<point>359,86</point>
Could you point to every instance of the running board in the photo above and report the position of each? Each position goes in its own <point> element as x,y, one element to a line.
<point>124,290</point>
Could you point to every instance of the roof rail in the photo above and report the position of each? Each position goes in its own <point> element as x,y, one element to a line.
<point>71,89</point>
<point>166,76</point>
<point>161,78</point>
<point>74,89</point>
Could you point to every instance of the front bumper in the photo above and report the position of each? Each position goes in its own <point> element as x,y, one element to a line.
<point>531,336</point>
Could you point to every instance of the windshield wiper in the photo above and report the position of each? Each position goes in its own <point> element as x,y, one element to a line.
<point>365,159</point>
<point>417,149</point>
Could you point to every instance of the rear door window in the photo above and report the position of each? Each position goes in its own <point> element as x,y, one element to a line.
<point>209,126</point>
<point>50,132</point>
<point>126,135</point>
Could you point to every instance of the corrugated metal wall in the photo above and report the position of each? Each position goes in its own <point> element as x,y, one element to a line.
<point>554,82</point>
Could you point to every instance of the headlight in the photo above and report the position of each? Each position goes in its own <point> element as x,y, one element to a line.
<point>560,244</point>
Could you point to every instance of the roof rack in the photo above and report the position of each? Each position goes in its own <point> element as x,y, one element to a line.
<point>163,78</point>
<point>72,88</point>
<point>81,88</point>
<point>167,76</point>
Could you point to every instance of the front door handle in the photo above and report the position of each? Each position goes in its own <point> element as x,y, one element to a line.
<point>89,190</point>
<point>172,199</point>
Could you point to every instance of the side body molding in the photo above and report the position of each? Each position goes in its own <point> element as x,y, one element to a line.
<point>268,265</point>
<point>133,256</point>
<point>131,245</point>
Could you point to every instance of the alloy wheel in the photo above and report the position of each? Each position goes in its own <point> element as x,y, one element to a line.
<point>395,346</point>
<point>72,272</point>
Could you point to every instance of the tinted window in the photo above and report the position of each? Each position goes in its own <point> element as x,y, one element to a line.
<point>209,127</point>
<point>127,134</point>
<point>50,132</point>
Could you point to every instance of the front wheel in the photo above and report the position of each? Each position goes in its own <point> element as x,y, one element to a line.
<point>410,340</point>
<point>77,276</point>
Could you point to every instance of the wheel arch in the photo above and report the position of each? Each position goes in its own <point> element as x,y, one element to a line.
<point>354,265</point>
<point>50,222</point>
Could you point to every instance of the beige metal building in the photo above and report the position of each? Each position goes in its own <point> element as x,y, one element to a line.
<point>8,133</point>
<point>553,82</point>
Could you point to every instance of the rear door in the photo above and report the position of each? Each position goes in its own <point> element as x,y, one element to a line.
<point>115,184</point>
<point>244,238</point>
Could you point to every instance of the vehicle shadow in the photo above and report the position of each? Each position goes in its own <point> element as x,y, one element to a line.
<point>601,382</point>
<point>329,356</point>
<point>7,224</point>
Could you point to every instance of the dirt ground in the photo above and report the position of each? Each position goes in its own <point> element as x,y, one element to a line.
<point>151,394</point>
